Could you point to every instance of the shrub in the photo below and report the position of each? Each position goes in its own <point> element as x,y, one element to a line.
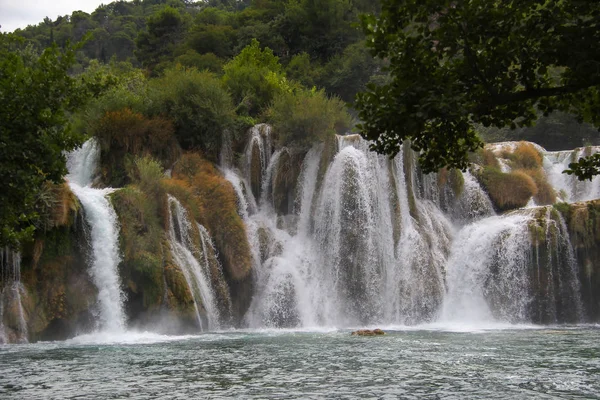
<point>545,192</point>
<point>454,178</point>
<point>140,242</point>
<point>485,158</point>
<point>201,62</point>
<point>307,116</point>
<point>199,106</point>
<point>508,190</point>
<point>525,156</point>
<point>147,173</point>
<point>56,206</point>
<point>126,133</point>
<point>254,77</point>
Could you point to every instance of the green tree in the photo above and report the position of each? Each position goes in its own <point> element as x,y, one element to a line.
<point>456,64</point>
<point>36,94</point>
<point>254,77</point>
<point>157,43</point>
<point>197,103</point>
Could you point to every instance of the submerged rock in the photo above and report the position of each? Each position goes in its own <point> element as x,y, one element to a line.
<point>368,332</point>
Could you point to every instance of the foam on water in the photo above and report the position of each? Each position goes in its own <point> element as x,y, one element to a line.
<point>129,337</point>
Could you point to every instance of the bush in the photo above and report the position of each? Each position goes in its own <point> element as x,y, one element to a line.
<point>133,133</point>
<point>307,116</point>
<point>525,156</point>
<point>147,173</point>
<point>508,190</point>
<point>197,103</point>
<point>201,62</point>
<point>56,206</point>
<point>140,243</point>
<point>545,192</point>
<point>126,133</point>
<point>254,77</point>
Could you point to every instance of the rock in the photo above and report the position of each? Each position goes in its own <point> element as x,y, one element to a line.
<point>368,332</point>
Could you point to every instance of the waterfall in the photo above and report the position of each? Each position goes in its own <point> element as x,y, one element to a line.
<point>11,292</point>
<point>569,188</point>
<point>486,273</point>
<point>555,270</point>
<point>193,262</point>
<point>375,241</point>
<point>343,263</point>
<point>102,219</point>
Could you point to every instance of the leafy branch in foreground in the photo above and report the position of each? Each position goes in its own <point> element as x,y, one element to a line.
<point>457,64</point>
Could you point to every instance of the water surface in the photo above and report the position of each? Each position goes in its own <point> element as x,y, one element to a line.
<point>431,362</point>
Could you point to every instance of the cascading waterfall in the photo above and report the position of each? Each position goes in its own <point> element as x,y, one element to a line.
<point>570,189</point>
<point>193,262</point>
<point>486,273</point>
<point>214,271</point>
<point>102,219</point>
<point>374,241</point>
<point>11,292</point>
<point>340,264</point>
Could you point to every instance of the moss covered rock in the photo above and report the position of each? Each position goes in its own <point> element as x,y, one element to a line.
<point>54,272</point>
<point>583,221</point>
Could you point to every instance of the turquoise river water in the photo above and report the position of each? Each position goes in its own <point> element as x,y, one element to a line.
<point>426,362</point>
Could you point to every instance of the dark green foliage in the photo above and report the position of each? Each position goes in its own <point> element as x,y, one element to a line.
<point>199,106</point>
<point>254,77</point>
<point>349,72</point>
<point>201,62</point>
<point>36,94</point>
<point>454,65</point>
<point>165,31</point>
<point>585,167</point>
<point>557,131</point>
<point>205,35</point>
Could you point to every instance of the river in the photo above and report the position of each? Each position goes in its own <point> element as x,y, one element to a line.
<point>423,362</point>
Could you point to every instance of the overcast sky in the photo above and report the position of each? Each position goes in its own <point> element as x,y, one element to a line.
<point>20,13</point>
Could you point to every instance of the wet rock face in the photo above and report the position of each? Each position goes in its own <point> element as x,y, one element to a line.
<point>60,296</point>
<point>583,221</point>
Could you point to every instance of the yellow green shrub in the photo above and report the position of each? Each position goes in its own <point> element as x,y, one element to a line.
<point>452,177</point>
<point>140,243</point>
<point>545,192</point>
<point>303,117</point>
<point>508,190</point>
<point>525,156</point>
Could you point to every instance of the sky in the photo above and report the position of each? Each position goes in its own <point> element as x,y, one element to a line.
<point>20,13</point>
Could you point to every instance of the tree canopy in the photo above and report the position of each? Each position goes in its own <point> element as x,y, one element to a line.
<point>36,94</point>
<point>457,65</point>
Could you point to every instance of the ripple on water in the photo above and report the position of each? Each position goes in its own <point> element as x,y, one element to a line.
<point>409,363</point>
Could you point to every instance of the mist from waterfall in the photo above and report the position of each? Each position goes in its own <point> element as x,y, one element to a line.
<point>102,219</point>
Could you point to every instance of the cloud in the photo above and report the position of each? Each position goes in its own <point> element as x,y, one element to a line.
<point>20,13</point>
